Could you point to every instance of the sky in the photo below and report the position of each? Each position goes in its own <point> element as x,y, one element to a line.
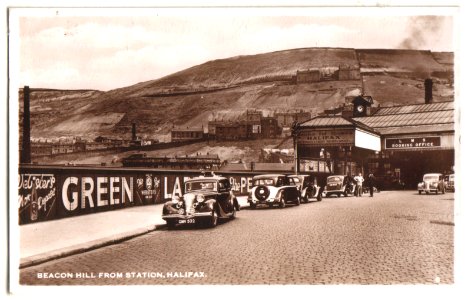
<point>104,52</point>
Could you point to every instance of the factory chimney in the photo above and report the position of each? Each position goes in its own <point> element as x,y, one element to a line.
<point>25,156</point>
<point>134,137</point>
<point>428,84</point>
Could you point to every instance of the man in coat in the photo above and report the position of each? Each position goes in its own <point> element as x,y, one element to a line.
<point>371,183</point>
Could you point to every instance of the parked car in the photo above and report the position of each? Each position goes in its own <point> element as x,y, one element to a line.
<point>432,182</point>
<point>339,185</point>
<point>307,186</point>
<point>205,200</point>
<point>450,182</point>
<point>273,189</point>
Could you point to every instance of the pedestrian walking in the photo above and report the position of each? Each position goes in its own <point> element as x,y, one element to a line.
<point>322,182</point>
<point>371,183</point>
<point>355,185</point>
<point>359,185</point>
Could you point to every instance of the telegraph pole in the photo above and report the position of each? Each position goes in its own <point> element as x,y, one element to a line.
<point>25,157</point>
<point>294,134</point>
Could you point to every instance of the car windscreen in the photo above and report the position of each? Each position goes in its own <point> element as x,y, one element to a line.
<point>265,181</point>
<point>335,179</point>
<point>430,177</point>
<point>452,177</point>
<point>201,185</point>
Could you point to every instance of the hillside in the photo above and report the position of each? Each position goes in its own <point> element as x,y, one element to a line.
<point>225,88</point>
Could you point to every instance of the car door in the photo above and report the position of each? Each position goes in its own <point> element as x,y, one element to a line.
<point>293,189</point>
<point>224,195</point>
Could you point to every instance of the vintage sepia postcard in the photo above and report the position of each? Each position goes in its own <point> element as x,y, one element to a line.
<point>234,146</point>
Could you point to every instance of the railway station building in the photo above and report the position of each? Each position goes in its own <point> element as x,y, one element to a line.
<point>398,144</point>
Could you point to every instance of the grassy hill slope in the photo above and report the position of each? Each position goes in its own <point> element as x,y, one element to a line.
<point>227,87</point>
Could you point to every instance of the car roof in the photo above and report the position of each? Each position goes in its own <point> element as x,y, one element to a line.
<point>268,176</point>
<point>437,174</point>
<point>206,178</point>
<point>336,176</point>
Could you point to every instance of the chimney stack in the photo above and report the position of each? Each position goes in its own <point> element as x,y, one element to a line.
<point>428,83</point>
<point>25,157</point>
<point>134,137</point>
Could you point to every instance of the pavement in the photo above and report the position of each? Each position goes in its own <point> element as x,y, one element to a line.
<point>49,240</point>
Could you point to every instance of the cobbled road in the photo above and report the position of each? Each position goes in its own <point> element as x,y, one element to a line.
<point>395,237</point>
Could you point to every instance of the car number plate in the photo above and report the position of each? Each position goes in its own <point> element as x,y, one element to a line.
<point>186,221</point>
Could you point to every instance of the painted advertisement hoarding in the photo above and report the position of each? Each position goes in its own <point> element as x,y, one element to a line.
<point>65,192</point>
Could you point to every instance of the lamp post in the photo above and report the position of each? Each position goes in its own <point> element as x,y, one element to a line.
<point>294,134</point>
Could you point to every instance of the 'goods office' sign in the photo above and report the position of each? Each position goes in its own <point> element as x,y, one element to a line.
<point>413,143</point>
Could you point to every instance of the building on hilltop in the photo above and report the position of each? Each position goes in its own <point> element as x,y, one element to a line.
<point>286,119</point>
<point>231,131</point>
<point>187,134</point>
<point>253,120</point>
<point>307,76</point>
<point>270,128</point>
<point>348,72</point>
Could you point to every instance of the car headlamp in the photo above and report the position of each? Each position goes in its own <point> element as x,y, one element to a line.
<point>175,199</point>
<point>200,198</point>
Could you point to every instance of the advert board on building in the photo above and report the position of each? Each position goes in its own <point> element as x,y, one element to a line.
<point>326,137</point>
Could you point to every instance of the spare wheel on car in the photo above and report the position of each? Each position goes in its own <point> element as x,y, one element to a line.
<point>262,193</point>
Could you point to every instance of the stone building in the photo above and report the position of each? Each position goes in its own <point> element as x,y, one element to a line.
<point>187,134</point>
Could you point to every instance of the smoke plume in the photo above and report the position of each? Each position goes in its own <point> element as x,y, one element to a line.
<point>420,29</point>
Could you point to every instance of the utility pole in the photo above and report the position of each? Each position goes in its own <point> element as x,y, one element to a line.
<point>25,157</point>
<point>294,134</point>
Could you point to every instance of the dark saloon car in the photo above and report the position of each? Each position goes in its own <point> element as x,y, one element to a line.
<point>307,186</point>
<point>205,200</point>
<point>339,185</point>
<point>450,182</point>
<point>273,189</point>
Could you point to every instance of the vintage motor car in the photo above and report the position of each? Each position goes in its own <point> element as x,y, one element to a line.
<point>339,185</point>
<point>450,182</point>
<point>273,189</point>
<point>307,186</point>
<point>205,200</point>
<point>432,182</point>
